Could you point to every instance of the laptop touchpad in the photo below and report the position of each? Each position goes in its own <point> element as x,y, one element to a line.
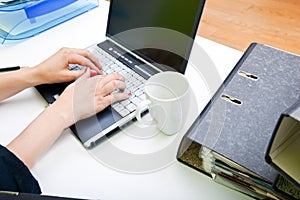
<point>88,128</point>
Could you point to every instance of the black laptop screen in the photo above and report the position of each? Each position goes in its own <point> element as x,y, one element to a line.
<point>131,23</point>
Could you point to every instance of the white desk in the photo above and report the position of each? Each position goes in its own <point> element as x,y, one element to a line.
<point>68,169</point>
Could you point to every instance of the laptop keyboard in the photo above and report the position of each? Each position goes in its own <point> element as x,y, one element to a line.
<point>134,82</point>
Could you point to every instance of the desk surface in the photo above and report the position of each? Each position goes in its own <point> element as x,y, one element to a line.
<point>68,169</point>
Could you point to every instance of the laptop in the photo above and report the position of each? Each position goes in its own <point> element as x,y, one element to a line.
<point>142,38</point>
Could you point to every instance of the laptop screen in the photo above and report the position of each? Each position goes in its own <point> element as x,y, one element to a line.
<point>159,31</point>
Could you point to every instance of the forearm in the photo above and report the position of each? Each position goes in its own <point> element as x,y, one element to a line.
<point>38,137</point>
<point>81,99</point>
<point>13,82</point>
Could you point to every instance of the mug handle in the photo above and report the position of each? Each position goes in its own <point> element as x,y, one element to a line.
<point>142,107</point>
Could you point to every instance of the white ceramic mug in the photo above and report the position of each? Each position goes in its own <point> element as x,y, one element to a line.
<point>167,98</point>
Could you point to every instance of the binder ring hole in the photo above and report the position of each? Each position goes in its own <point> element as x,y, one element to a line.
<point>231,99</point>
<point>248,75</point>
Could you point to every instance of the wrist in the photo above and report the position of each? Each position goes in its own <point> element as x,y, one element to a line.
<point>32,76</point>
<point>63,113</point>
<point>39,77</point>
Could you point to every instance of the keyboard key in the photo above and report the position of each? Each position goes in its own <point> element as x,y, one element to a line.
<point>124,112</point>
<point>125,102</point>
<point>142,97</point>
<point>135,100</point>
<point>138,92</point>
<point>131,107</point>
<point>117,107</point>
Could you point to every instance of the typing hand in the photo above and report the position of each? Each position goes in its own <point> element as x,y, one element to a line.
<point>56,68</point>
<point>90,95</point>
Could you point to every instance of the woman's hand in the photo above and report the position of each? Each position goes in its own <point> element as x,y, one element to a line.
<point>89,95</point>
<point>55,69</point>
<point>81,99</point>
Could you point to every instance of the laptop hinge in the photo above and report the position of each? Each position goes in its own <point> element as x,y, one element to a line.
<point>136,56</point>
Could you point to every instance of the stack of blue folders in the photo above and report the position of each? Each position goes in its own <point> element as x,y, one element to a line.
<point>21,19</point>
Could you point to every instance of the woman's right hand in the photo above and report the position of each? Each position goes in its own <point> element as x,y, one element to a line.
<point>89,95</point>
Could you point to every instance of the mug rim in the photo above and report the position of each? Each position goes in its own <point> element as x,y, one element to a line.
<point>162,74</point>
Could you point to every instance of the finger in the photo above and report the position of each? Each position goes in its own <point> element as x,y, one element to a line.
<point>70,75</point>
<point>110,77</point>
<point>110,99</point>
<point>93,73</point>
<point>83,74</point>
<point>81,60</point>
<point>118,97</point>
<point>94,60</point>
<point>112,86</point>
<point>79,73</point>
<point>87,54</point>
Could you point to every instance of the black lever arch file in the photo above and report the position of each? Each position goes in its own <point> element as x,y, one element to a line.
<point>283,152</point>
<point>229,138</point>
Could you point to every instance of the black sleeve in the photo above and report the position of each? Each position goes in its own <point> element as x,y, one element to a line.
<point>14,175</point>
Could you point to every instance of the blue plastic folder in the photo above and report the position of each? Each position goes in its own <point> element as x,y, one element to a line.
<point>24,20</point>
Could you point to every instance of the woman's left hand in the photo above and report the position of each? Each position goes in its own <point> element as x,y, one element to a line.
<point>55,69</point>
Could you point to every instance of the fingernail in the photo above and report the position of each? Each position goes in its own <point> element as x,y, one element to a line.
<point>93,73</point>
<point>129,94</point>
